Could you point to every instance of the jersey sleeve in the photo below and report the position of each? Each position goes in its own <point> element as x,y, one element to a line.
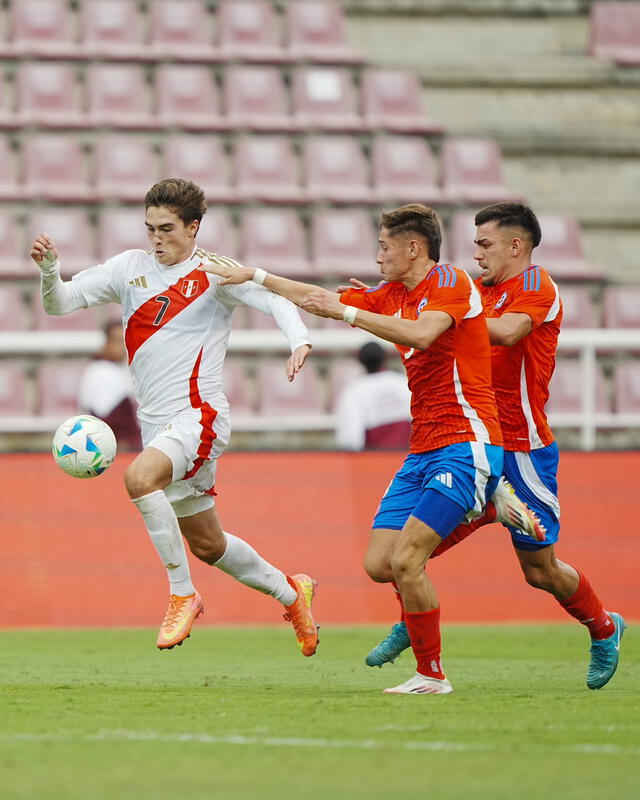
<point>102,283</point>
<point>366,299</point>
<point>537,296</point>
<point>449,291</point>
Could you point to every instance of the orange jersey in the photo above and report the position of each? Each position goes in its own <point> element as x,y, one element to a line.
<point>451,395</point>
<point>521,373</point>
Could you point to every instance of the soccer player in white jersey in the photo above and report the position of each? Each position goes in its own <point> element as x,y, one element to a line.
<point>177,320</point>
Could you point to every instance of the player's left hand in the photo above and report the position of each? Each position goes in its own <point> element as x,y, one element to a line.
<point>323,303</point>
<point>296,360</point>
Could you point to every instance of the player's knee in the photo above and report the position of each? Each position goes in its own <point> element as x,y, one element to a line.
<point>206,551</point>
<point>539,579</point>
<point>401,565</point>
<point>139,481</point>
<point>377,570</point>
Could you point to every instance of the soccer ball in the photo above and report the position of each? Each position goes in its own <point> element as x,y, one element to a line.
<point>84,446</point>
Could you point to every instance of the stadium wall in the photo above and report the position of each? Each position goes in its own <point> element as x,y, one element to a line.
<point>74,553</point>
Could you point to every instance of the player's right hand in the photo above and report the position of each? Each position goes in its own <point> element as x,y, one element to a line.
<point>354,284</point>
<point>43,252</point>
<point>229,274</point>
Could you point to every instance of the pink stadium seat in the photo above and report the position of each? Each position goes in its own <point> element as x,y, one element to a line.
<point>58,382</point>
<point>218,234</point>
<point>578,308</point>
<point>55,168</point>
<point>181,31</point>
<point>565,390</point>
<point>71,232</point>
<point>13,311</point>
<point>615,32</point>
<point>188,98</point>
<point>275,239</point>
<point>257,320</point>
<point>42,29</point>
<point>248,31</point>
<point>336,170</point>
<point>9,188</point>
<point>7,113</point>
<point>255,98</point>
<point>266,170</point>
<point>392,101</point>
<point>200,159</point>
<point>112,30</point>
<point>48,96</point>
<point>472,172</point>
<point>404,171</point>
<point>343,244</point>
<point>13,389</point>
<point>462,232</point>
<point>626,383</point>
<point>561,250</point>
<point>125,167</point>
<point>622,306</point>
<point>316,32</point>
<point>119,96</point>
<point>121,229</point>
<point>279,397</point>
<point>86,319</point>
<point>325,98</point>
<point>13,261</point>
<point>236,385</point>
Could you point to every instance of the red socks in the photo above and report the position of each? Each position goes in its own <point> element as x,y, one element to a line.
<point>466,529</point>
<point>424,632</point>
<point>585,605</point>
<point>399,599</point>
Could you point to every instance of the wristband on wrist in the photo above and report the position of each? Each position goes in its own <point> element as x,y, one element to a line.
<point>259,276</point>
<point>349,314</point>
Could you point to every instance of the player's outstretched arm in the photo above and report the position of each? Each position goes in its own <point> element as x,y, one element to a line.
<point>43,252</point>
<point>58,297</point>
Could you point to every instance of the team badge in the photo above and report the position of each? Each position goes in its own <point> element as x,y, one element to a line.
<point>422,304</point>
<point>501,301</point>
<point>189,287</point>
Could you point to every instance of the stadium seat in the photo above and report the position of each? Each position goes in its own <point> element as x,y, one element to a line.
<point>336,170</point>
<point>266,170</point>
<point>200,159</point>
<point>71,232</point>
<point>13,310</point>
<point>181,31</point>
<point>236,384</point>
<point>615,32</point>
<point>275,239</point>
<point>49,96</point>
<point>462,232</point>
<point>58,382</point>
<point>7,114</point>
<point>42,29</point>
<point>248,30</point>
<point>565,389</point>
<point>561,250</point>
<point>626,385</point>
<point>325,98</point>
<point>121,229</point>
<point>13,255</point>
<point>404,171</point>
<point>343,244</point>
<point>255,98</point>
<point>119,96</point>
<point>9,188</point>
<point>125,167</point>
<point>14,398</point>
<point>622,306</point>
<point>315,31</point>
<point>55,168</point>
<point>279,397</point>
<point>472,172</point>
<point>257,320</point>
<point>578,308</point>
<point>188,98</point>
<point>392,101</point>
<point>86,319</point>
<point>112,30</point>
<point>218,234</point>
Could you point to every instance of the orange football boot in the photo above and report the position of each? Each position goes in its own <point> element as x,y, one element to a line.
<point>176,625</point>
<point>299,613</point>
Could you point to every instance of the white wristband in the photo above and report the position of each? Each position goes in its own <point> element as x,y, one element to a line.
<point>349,314</point>
<point>259,276</point>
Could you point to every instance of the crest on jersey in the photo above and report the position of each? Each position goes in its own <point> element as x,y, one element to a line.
<point>421,305</point>
<point>502,300</point>
<point>189,287</point>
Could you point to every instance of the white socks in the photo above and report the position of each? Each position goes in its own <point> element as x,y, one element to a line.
<point>243,563</point>
<point>162,526</point>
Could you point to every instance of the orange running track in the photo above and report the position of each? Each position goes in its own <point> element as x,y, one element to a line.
<point>75,553</point>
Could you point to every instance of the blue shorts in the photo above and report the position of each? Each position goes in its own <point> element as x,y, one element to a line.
<point>534,477</point>
<point>441,486</point>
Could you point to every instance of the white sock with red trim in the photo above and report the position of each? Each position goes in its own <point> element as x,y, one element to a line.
<point>164,531</point>
<point>242,562</point>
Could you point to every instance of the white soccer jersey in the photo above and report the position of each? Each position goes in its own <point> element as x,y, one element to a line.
<point>177,322</point>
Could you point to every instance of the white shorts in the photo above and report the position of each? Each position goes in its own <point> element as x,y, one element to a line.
<point>193,443</point>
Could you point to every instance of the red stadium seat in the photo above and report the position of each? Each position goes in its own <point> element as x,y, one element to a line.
<point>615,32</point>
<point>188,98</point>
<point>121,229</point>
<point>55,168</point>
<point>14,398</point>
<point>236,385</point>
<point>112,30</point>
<point>275,239</point>
<point>48,96</point>
<point>119,96</point>
<point>9,188</point>
<point>181,31</point>
<point>13,310</point>
<point>248,30</point>
<point>404,171</point>
<point>392,101</point>
<point>200,159</point>
<point>316,33</point>
<point>578,308</point>
<point>125,167</point>
<point>86,319</point>
<point>462,232</point>
<point>7,113</point>
<point>218,234</point>
<point>279,397</point>
<point>336,170</point>
<point>343,244</point>
<point>255,98</point>
<point>561,249</point>
<point>71,232</point>
<point>42,29</point>
<point>626,383</point>
<point>622,306</point>
<point>565,389</point>
<point>266,170</point>
<point>472,172</point>
<point>325,98</point>
<point>58,383</point>
<point>14,260</point>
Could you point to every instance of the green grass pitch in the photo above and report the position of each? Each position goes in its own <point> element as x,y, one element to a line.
<point>238,713</point>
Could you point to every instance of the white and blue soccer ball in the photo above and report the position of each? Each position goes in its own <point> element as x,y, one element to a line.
<point>84,446</point>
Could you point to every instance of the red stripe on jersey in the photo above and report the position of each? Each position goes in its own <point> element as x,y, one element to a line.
<point>207,416</point>
<point>156,312</point>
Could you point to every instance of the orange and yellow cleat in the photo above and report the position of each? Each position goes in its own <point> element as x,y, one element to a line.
<point>176,625</point>
<point>299,613</point>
